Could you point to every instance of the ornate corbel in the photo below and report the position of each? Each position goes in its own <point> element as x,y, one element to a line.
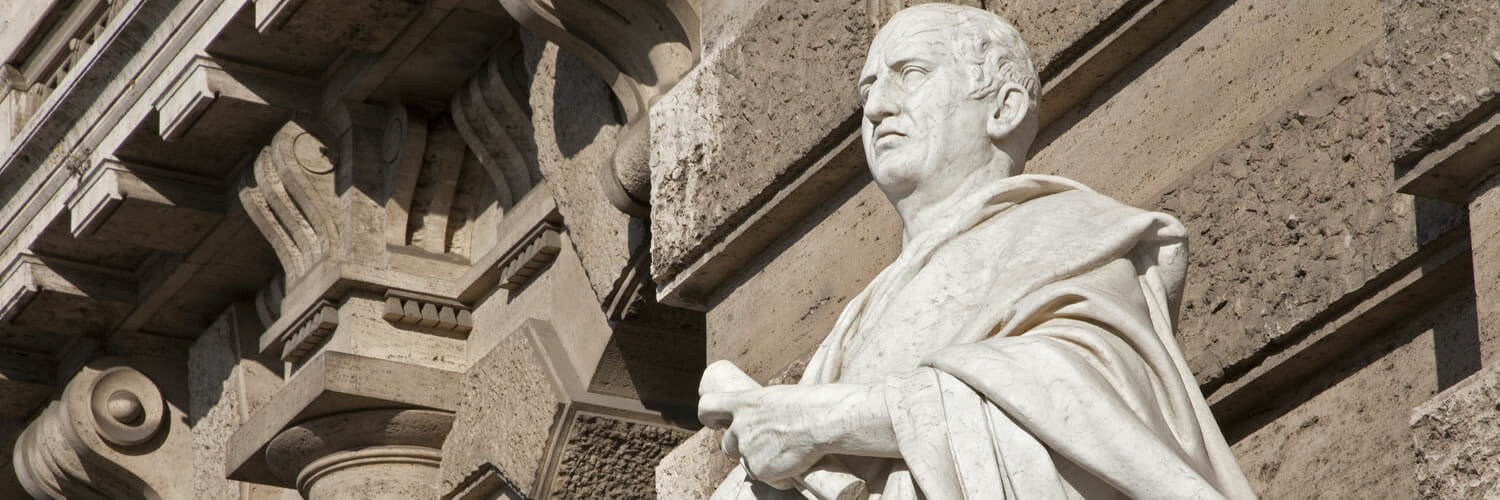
<point>642,48</point>
<point>111,435</point>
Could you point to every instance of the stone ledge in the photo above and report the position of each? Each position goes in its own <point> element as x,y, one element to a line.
<point>334,382</point>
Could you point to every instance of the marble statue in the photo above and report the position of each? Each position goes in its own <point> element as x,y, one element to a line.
<point>1021,345</point>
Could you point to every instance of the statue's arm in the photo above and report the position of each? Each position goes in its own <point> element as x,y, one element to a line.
<point>780,431</point>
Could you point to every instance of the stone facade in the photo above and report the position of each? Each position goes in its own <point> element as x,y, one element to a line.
<point>484,248</point>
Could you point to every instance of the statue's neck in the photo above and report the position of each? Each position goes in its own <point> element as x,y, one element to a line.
<point>924,212</point>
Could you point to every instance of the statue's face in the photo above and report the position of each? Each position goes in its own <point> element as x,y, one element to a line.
<point>920,126</point>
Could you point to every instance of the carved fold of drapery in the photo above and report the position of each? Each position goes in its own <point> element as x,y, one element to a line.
<point>642,48</point>
<point>93,442</point>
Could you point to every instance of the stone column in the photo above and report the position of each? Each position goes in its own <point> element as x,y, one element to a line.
<point>368,454</point>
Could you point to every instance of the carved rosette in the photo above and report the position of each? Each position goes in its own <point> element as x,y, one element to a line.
<point>94,440</point>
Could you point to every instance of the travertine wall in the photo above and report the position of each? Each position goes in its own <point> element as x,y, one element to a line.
<point>536,335</point>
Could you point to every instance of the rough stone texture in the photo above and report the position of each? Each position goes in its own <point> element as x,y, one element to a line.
<point>223,391</point>
<point>576,126</point>
<point>751,114</point>
<point>1294,216</point>
<point>694,468</point>
<point>1484,234</point>
<point>1344,432</point>
<point>605,457</point>
<point>509,406</point>
<point>1196,92</point>
<point>1456,436</point>
<point>1444,69</point>
<point>561,296</point>
<point>785,302</point>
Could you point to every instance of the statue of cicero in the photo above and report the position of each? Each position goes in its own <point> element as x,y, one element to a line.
<point>1021,345</point>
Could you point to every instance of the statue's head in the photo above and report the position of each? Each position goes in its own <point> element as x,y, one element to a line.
<point>946,89</point>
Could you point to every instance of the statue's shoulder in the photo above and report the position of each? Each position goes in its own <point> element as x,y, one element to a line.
<point>1049,209</point>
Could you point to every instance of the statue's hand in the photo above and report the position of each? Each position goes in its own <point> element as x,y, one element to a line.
<point>778,432</point>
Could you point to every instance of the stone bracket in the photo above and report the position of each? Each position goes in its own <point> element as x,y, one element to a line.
<point>57,297</point>
<point>131,205</point>
<point>204,82</point>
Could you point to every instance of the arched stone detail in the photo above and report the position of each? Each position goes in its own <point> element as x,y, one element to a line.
<point>642,48</point>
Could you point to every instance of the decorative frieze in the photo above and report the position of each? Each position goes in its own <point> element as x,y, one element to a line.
<point>413,310</point>
<point>312,329</point>
<point>528,257</point>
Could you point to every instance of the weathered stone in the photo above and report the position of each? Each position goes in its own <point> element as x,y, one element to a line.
<point>606,457</point>
<point>1444,69</point>
<point>1293,217</point>
<point>1456,434</point>
<point>1348,425</point>
<point>510,405</point>
<point>694,468</point>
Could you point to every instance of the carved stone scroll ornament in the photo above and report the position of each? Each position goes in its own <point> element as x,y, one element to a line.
<point>95,442</point>
<point>642,48</point>
<point>290,195</point>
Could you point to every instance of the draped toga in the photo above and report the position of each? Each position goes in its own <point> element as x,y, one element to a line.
<point>1026,350</point>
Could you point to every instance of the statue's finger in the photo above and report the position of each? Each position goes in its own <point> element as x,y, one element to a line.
<point>731,445</point>
<point>716,409</point>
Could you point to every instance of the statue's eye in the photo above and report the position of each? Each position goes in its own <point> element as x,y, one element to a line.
<point>912,73</point>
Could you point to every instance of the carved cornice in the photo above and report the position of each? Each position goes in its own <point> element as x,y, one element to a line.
<point>94,440</point>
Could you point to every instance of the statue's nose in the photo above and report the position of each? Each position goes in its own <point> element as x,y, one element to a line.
<point>879,103</point>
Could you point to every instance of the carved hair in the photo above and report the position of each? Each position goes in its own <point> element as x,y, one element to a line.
<point>991,46</point>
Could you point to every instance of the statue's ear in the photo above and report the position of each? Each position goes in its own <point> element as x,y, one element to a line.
<point>1011,105</point>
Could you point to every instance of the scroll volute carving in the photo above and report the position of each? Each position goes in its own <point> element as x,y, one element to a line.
<point>290,195</point>
<point>111,435</point>
<point>642,48</point>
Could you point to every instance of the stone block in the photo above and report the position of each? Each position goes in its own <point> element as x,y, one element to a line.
<point>608,457</point>
<point>227,382</point>
<point>714,154</point>
<point>1292,217</point>
<point>511,403</point>
<point>694,468</point>
<point>1344,431</point>
<point>1178,105</point>
<point>1444,70</point>
<point>1457,435</point>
